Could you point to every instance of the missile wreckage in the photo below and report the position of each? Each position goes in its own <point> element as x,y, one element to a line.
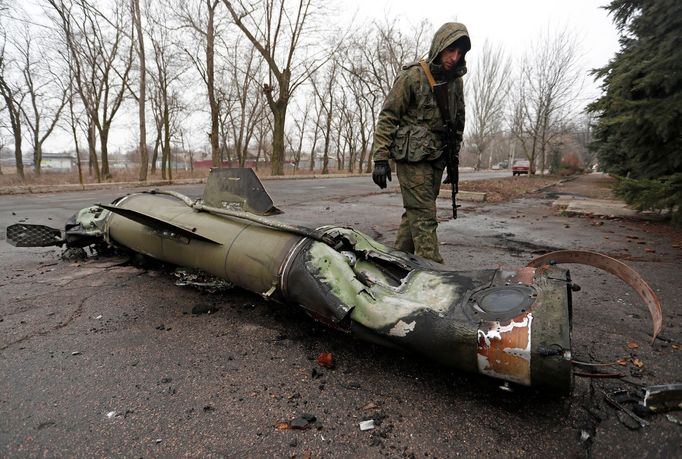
<point>508,323</point>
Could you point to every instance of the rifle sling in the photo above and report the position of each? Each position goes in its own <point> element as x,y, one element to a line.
<point>445,116</point>
<point>429,75</point>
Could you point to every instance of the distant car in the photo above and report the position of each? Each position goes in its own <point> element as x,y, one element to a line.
<point>521,166</point>
<point>501,165</point>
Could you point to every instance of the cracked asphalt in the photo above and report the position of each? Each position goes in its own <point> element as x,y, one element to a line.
<point>104,356</point>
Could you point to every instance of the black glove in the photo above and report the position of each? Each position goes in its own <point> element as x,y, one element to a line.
<point>382,171</point>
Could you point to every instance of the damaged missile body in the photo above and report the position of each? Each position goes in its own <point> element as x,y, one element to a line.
<point>512,324</point>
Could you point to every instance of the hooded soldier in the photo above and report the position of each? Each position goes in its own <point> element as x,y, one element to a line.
<point>410,131</point>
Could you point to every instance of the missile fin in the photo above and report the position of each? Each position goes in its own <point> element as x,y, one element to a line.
<point>157,223</point>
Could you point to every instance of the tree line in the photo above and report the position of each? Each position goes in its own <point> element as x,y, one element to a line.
<point>277,80</point>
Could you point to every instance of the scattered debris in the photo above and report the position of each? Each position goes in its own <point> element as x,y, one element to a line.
<point>618,399</point>
<point>673,419</point>
<point>506,387</point>
<point>370,406</point>
<point>367,425</point>
<point>303,422</point>
<point>584,436</point>
<point>76,353</point>
<point>98,317</point>
<point>157,441</point>
<point>326,359</point>
<point>204,308</point>
<point>111,414</point>
<point>664,397</point>
<point>200,280</point>
<point>633,345</point>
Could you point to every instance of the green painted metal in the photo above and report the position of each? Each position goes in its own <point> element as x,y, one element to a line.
<point>359,285</point>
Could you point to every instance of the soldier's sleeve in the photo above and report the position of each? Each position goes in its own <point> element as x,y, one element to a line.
<point>461,115</point>
<point>388,121</point>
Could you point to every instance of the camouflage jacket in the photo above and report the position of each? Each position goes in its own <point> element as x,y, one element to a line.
<point>409,126</point>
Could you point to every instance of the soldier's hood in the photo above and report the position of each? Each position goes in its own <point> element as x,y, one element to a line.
<point>449,33</point>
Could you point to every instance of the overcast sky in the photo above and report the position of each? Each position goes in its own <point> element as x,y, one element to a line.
<point>515,24</point>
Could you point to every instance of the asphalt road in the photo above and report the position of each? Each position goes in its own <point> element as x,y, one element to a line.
<point>101,357</point>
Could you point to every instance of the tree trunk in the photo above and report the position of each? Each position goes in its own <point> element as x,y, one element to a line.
<point>15,121</point>
<point>92,148</point>
<point>277,158</point>
<point>103,140</point>
<point>167,137</point>
<point>312,150</point>
<point>212,102</point>
<point>17,151</point>
<point>37,157</point>
<point>144,157</point>
<point>155,154</point>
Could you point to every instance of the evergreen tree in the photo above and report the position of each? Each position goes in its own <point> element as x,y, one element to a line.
<point>639,118</point>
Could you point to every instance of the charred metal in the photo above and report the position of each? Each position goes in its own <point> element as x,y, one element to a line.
<point>508,323</point>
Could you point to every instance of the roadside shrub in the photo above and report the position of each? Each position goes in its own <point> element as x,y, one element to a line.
<point>658,195</point>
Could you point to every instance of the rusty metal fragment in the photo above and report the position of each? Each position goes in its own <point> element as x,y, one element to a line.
<point>615,267</point>
<point>665,397</point>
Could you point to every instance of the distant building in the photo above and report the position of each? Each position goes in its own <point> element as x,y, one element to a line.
<point>58,162</point>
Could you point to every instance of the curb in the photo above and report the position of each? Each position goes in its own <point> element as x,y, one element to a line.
<point>37,189</point>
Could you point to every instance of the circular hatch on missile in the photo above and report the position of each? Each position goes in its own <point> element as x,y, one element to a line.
<point>500,303</point>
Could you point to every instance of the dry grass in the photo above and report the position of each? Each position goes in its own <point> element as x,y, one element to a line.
<point>8,178</point>
<point>505,189</point>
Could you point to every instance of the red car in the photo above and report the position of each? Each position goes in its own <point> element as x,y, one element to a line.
<point>521,166</point>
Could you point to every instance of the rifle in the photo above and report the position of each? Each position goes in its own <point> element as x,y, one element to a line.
<point>440,93</point>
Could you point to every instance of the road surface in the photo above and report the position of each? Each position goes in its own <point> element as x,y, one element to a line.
<point>102,357</point>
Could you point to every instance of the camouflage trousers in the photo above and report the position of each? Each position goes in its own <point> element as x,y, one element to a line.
<point>419,185</point>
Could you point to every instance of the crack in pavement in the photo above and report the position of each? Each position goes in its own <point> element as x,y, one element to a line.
<point>75,314</point>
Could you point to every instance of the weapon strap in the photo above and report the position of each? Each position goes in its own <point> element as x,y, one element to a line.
<point>432,83</point>
<point>427,71</point>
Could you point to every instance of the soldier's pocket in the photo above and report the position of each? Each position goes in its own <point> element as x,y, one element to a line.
<point>401,142</point>
<point>423,144</point>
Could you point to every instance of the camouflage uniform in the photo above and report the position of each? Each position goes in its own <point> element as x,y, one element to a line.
<point>409,130</point>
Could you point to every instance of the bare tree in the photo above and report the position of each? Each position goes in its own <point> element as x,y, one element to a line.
<point>363,111</point>
<point>318,107</point>
<point>102,59</point>
<point>282,34</point>
<point>13,96</point>
<point>325,97</point>
<point>199,16</point>
<point>488,87</point>
<point>165,75</point>
<point>74,121</point>
<point>300,126</point>
<point>142,95</point>
<point>2,148</point>
<point>547,89</point>
<point>582,128</point>
<point>246,98</point>
<point>263,146</point>
<point>46,97</point>
<point>373,59</point>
